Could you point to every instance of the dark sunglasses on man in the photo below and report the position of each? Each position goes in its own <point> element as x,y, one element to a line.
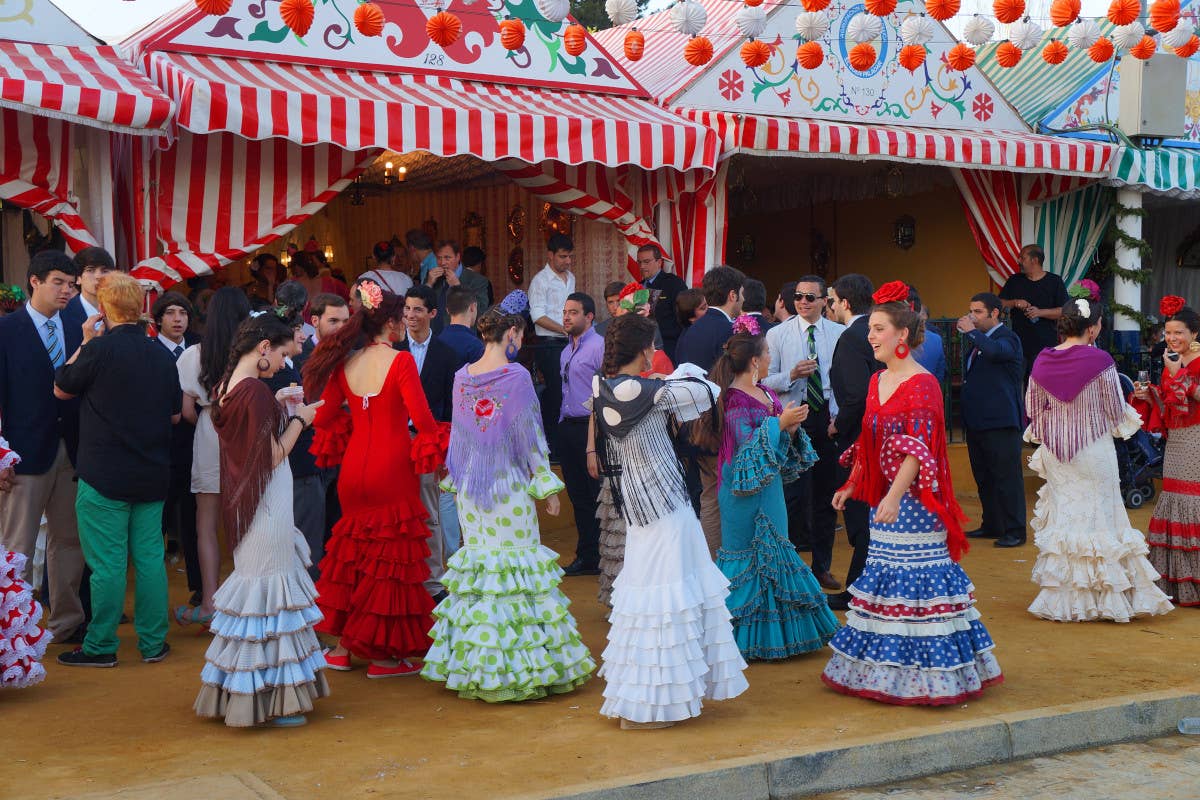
<point>808,298</point>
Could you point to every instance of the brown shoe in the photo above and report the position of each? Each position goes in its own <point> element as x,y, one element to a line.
<point>829,582</point>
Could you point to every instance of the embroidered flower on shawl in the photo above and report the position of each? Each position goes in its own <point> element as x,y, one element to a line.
<point>634,296</point>
<point>485,408</point>
<point>747,324</point>
<point>891,292</point>
<point>1171,305</point>
<point>370,294</point>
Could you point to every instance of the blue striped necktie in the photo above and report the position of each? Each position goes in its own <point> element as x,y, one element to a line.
<point>53,345</point>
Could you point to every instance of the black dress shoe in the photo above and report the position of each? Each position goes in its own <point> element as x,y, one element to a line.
<point>839,601</point>
<point>74,638</point>
<point>1009,540</point>
<point>577,567</point>
<point>980,533</point>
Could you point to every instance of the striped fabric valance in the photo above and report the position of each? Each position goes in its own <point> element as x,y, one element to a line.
<point>1170,171</point>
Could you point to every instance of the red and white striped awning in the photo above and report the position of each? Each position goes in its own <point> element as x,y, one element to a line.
<point>88,85</point>
<point>817,138</point>
<point>358,110</point>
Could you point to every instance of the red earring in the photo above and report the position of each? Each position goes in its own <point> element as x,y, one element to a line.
<point>902,350</point>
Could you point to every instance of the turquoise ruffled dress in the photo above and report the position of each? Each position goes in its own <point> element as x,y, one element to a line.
<point>777,606</point>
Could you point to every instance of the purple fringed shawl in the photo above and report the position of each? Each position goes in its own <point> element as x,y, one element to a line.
<point>496,434</point>
<point>1074,398</point>
<point>743,414</point>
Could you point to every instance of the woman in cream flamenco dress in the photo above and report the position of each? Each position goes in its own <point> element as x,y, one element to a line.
<point>1092,564</point>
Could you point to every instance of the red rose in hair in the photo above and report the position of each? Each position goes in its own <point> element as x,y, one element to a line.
<point>1171,305</point>
<point>891,292</point>
<point>630,288</point>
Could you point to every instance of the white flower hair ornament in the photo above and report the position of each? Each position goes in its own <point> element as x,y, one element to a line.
<point>1085,308</point>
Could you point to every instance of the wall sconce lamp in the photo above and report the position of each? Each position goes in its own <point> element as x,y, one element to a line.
<point>284,258</point>
<point>905,232</point>
<point>387,172</point>
<point>329,252</point>
<point>402,173</point>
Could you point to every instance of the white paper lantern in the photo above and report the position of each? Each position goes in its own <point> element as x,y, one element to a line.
<point>751,21</point>
<point>812,25</point>
<point>1126,36</point>
<point>1179,35</point>
<point>553,10</point>
<point>1024,35</point>
<point>918,30</point>
<point>864,28</point>
<point>1084,33</point>
<point>621,12</point>
<point>688,17</point>
<point>978,31</point>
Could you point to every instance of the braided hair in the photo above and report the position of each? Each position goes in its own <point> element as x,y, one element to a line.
<point>264,327</point>
<point>736,354</point>
<point>627,338</point>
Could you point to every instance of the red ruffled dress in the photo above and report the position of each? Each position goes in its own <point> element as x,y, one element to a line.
<point>22,641</point>
<point>370,589</point>
<point>1175,527</point>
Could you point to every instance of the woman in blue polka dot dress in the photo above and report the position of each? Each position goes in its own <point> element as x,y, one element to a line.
<point>913,635</point>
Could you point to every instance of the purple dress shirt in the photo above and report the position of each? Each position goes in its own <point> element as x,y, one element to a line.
<point>580,361</point>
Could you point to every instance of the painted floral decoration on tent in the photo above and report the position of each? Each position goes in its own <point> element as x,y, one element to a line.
<point>633,296</point>
<point>1171,305</point>
<point>891,292</point>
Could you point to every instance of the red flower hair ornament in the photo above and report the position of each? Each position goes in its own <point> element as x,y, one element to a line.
<point>891,292</point>
<point>1171,305</point>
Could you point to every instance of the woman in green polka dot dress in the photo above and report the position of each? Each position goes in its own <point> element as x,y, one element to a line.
<point>504,632</point>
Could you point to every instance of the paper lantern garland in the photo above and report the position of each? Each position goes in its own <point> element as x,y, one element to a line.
<point>688,17</point>
<point>815,5</point>
<point>443,28</point>
<point>553,10</point>
<point>214,7</point>
<point>755,53</point>
<point>1025,35</point>
<point>810,55</point>
<point>911,56</point>
<point>635,44</point>
<point>1164,15</point>
<point>812,25</point>
<point>1125,37</point>
<point>512,34</point>
<point>862,56</point>
<point>1144,49</point>
<point>1123,12</point>
<point>297,15</point>
<point>1008,11</point>
<point>864,28</point>
<point>621,12</point>
<point>1083,34</point>
<point>918,30</point>
<point>880,8</point>
<point>960,58</point>
<point>942,10</point>
<point>1008,55</point>
<point>698,51</point>
<point>1188,48</point>
<point>978,31</point>
<point>751,21</point>
<point>1102,50</point>
<point>368,19</point>
<point>1064,12</point>
<point>1055,52</point>
<point>1179,35</point>
<point>574,39</point>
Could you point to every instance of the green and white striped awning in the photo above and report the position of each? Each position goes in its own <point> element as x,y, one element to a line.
<point>1169,171</point>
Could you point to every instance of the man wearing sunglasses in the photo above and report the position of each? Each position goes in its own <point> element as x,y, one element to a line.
<point>801,353</point>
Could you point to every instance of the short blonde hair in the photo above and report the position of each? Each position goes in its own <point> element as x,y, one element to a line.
<point>121,298</point>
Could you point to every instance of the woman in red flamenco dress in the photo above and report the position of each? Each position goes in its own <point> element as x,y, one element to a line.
<point>370,589</point>
<point>22,641</point>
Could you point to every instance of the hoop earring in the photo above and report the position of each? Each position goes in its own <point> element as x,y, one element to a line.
<point>263,365</point>
<point>902,350</point>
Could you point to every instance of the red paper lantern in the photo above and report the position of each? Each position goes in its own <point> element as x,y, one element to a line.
<point>698,51</point>
<point>960,57</point>
<point>297,15</point>
<point>911,57</point>
<point>815,5</point>
<point>754,3</point>
<point>810,55</point>
<point>1164,15</point>
<point>368,18</point>
<point>1055,52</point>
<point>1064,12</point>
<point>215,7</point>
<point>1101,51</point>
<point>575,39</point>
<point>862,56</point>
<point>635,44</point>
<point>880,8</point>
<point>443,28</point>
<point>1007,55</point>
<point>755,53</point>
<point>942,10</point>
<point>1123,12</point>
<point>1188,48</point>
<point>512,34</point>
<point>1144,49</point>
<point>1008,11</point>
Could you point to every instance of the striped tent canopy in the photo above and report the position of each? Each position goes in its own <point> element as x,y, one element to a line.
<point>1170,171</point>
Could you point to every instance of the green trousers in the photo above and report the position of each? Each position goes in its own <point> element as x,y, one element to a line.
<point>114,534</point>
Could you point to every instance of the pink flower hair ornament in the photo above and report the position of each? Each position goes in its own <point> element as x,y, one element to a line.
<point>370,294</point>
<point>748,325</point>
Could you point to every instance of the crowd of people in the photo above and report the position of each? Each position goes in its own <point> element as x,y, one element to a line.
<point>376,454</point>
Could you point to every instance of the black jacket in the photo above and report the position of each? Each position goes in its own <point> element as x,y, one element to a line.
<point>701,343</point>
<point>437,376</point>
<point>850,378</point>
<point>992,390</point>
<point>184,431</point>
<point>669,285</point>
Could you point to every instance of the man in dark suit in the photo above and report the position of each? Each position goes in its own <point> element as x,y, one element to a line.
<point>449,273</point>
<point>172,314</point>
<point>850,376</point>
<point>668,286</point>
<point>93,264</point>
<point>701,344</point>
<point>436,363</point>
<point>754,303</point>
<point>993,410</point>
<point>34,341</point>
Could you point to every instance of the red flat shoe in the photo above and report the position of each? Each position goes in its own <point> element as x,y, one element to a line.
<point>401,670</point>
<point>339,663</point>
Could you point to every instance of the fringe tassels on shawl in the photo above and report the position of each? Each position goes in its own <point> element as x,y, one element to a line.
<point>1068,427</point>
<point>248,424</point>
<point>477,469</point>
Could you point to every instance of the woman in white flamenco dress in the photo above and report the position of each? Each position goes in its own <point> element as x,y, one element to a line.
<point>1092,564</point>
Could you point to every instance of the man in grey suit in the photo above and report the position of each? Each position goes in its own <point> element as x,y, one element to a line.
<point>450,272</point>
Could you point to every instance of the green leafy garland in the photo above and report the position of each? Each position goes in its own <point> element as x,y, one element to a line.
<point>1112,269</point>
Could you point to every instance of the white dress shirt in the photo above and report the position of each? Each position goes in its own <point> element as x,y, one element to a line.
<point>788,344</point>
<point>39,322</point>
<point>419,349</point>
<point>167,343</point>
<point>547,297</point>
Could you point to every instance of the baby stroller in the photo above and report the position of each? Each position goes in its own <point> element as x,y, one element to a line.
<point>1139,459</point>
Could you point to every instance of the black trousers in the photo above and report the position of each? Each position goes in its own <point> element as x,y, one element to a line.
<point>179,519</point>
<point>811,517</point>
<point>996,463</point>
<point>547,357</point>
<point>582,488</point>
<point>857,516</point>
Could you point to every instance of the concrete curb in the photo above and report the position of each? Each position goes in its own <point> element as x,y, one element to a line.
<point>904,755</point>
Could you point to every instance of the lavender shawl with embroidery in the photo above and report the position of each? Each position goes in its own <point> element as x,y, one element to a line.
<point>1074,398</point>
<point>496,434</point>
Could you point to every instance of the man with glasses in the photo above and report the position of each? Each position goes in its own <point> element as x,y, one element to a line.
<point>668,286</point>
<point>580,362</point>
<point>801,354</point>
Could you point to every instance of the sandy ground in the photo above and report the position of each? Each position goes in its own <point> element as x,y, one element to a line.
<point>87,731</point>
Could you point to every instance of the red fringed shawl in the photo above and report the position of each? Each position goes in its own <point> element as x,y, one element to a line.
<point>1173,402</point>
<point>248,421</point>
<point>913,416</point>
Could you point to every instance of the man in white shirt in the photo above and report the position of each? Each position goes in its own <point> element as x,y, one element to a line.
<point>548,292</point>
<point>801,354</point>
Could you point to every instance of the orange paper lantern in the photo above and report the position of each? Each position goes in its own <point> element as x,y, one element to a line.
<point>698,51</point>
<point>1188,48</point>
<point>1055,52</point>
<point>443,28</point>
<point>1008,11</point>
<point>512,34</point>
<point>810,55</point>
<point>755,53</point>
<point>960,57</point>
<point>1064,12</point>
<point>880,8</point>
<point>1164,15</point>
<point>815,5</point>
<point>1007,55</point>
<point>911,57</point>
<point>862,56</point>
<point>214,7</point>
<point>368,18</point>
<point>942,10</point>
<point>1144,49</point>
<point>754,3</point>
<point>635,44</point>
<point>575,38</point>
<point>1101,51</point>
<point>297,15</point>
<point>1123,12</point>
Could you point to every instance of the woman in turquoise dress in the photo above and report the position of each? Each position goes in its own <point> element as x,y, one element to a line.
<point>503,633</point>
<point>777,606</point>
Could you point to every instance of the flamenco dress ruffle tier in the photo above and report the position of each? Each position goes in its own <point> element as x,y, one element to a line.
<point>612,542</point>
<point>504,632</point>
<point>913,635</point>
<point>22,641</point>
<point>1174,532</point>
